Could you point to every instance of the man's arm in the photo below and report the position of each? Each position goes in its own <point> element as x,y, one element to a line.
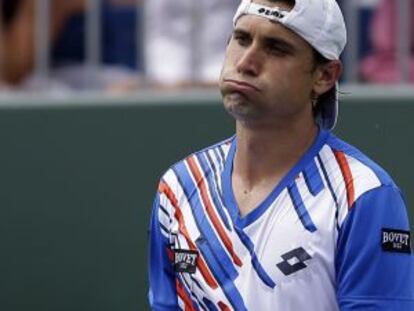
<point>374,263</point>
<point>162,291</point>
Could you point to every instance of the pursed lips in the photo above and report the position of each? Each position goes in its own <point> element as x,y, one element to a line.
<point>242,85</point>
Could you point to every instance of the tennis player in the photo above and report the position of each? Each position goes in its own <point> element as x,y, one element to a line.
<point>284,215</point>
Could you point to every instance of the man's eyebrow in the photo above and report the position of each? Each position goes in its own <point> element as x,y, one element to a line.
<point>269,40</point>
<point>239,31</point>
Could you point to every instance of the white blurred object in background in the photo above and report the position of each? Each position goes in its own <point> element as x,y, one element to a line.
<point>185,40</point>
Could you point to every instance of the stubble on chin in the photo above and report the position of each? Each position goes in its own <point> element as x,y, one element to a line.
<point>240,107</point>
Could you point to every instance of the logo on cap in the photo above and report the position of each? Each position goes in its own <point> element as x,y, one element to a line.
<point>268,12</point>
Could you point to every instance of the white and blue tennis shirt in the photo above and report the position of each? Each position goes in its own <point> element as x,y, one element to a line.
<point>332,235</point>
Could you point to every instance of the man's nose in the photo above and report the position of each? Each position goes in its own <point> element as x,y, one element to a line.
<point>249,62</point>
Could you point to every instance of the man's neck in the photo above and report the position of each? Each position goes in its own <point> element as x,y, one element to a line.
<point>262,153</point>
<point>263,157</point>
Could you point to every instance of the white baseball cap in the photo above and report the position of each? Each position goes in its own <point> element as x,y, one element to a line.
<point>322,25</point>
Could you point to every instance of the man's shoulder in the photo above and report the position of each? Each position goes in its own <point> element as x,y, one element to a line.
<point>353,176</point>
<point>357,164</point>
<point>202,161</point>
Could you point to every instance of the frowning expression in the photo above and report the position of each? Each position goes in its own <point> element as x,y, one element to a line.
<point>268,72</point>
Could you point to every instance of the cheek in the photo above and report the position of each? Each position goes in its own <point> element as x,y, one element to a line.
<point>289,83</point>
<point>232,56</point>
<point>225,67</point>
<point>298,78</point>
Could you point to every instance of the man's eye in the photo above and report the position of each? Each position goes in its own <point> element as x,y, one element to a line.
<point>277,50</point>
<point>242,40</point>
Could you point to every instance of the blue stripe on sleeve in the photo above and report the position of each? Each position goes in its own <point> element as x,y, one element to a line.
<point>313,178</point>
<point>203,224</point>
<point>328,182</point>
<point>194,301</point>
<point>226,284</point>
<point>213,189</point>
<point>219,158</point>
<point>300,208</point>
<point>210,305</point>
<point>243,237</point>
<point>222,153</point>
<point>255,261</point>
<point>162,293</point>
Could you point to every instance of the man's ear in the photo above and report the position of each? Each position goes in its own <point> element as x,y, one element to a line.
<point>326,76</point>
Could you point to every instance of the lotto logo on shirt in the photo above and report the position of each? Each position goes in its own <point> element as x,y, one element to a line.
<point>396,241</point>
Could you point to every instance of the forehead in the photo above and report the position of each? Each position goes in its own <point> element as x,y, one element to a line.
<point>265,28</point>
<point>266,25</point>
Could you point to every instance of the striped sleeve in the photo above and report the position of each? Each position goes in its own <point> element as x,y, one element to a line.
<point>162,294</point>
<point>369,277</point>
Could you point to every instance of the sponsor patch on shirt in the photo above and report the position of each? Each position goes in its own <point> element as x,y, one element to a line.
<point>398,241</point>
<point>185,260</point>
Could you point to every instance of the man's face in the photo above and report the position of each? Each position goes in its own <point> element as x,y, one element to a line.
<point>268,72</point>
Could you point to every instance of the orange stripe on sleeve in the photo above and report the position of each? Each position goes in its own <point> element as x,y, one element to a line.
<point>223,306</point>
<point>210,211</point>
<point>201,265</point>
<point>346,173</point>
<point>184,297</point>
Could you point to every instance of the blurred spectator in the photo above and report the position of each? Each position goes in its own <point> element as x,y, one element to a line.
<point>365,10</point>
<point>18,35</point>
<point>185,40</point>
<point>121,61</point>
<point>382,65</point>
<point>119,44</point>
<point>16,55</point>
<point>67,38</point>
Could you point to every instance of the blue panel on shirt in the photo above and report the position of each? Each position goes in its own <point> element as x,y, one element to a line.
<point>203,225</point>
<point>162,274</point>
<point>255,261</point>
<point>208,168</point>
<point>300,208</point>
<point>313,178</point>
<point>210,305</point>
<point>226,284</point>
<point>369,278</point>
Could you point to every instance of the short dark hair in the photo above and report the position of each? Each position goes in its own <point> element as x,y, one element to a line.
<point>318,58</point>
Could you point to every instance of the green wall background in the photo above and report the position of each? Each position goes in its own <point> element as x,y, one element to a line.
<point>77,183</point>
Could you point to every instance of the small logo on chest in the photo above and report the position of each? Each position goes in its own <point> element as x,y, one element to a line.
<point>293,261</point>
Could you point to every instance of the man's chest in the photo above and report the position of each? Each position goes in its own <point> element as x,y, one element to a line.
<point>288,248</point>
<point>280,245</point>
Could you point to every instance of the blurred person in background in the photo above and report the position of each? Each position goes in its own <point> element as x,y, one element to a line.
<point>118,67</point>
<point>382,64</point>
<point>185,41</point>
<point>17,37</point>
<point>120,58</point>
